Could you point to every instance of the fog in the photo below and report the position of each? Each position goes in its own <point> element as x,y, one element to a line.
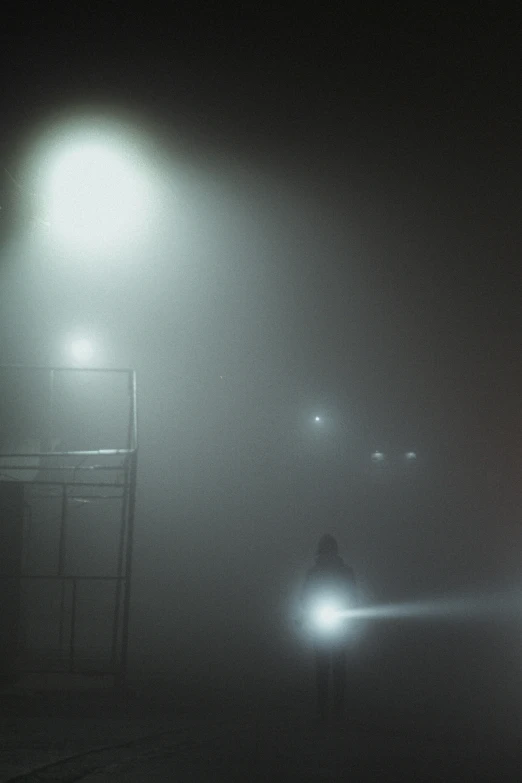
<point>275,288</point>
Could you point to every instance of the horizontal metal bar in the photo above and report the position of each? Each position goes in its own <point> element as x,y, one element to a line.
<point>74,468</point>
<point>58,483</point>
<point>76,670</point>
<point>94,453</point>
<point>67,577</point>
<point>127,370</point>
<point>78,499</point>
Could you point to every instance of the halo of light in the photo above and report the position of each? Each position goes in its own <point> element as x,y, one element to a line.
<point>326,617</point>
<point>92,177</point>
<point>82,350</point>
<point>95,196</point>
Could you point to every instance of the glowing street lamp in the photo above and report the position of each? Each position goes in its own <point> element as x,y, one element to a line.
<point>81,350</point>
<point>94,195</point>
<point>95,185</point>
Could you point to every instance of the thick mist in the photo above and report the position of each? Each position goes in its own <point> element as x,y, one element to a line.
<point>261,301</point>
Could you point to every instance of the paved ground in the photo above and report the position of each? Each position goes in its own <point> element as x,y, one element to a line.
<point>41,727</point>
<point>297,751</point>
<point>213,740</point>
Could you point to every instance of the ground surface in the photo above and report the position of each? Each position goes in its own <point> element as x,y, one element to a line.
<point>212,739</point>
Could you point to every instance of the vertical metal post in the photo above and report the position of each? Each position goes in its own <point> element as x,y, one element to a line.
<point>61,563</point>
<point>63,532</point>
<point>73,628</point>
<point>133,475</point>
<point>123,522</point>
<point>122,674</point>
<point>62,614</point>
<point>47,443</point>
<point>119,568</point>
<point>28,531</point>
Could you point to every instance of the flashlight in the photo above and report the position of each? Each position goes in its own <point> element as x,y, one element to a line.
<point>327,617</point>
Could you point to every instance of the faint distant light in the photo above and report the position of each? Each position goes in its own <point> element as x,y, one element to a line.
<point>318,419</point>
<point>82,350</point>
<point>378,456</point>
<point>411,455</point>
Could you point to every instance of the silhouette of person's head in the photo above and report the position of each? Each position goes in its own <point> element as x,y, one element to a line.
<point>327,546</point>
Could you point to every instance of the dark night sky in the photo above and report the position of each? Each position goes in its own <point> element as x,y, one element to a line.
<point>369,167</point>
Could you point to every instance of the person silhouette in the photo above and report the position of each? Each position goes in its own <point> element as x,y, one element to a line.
<point>329,580</point>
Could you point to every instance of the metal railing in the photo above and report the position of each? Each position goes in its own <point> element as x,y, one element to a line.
<point>101,475</point>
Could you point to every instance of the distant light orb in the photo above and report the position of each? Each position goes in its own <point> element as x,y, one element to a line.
<point>82,350</point>
<point>411,455</point>
<point>317,419</point>
<point>378,456</point>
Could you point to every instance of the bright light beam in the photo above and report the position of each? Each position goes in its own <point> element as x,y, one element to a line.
<point>465,606</point>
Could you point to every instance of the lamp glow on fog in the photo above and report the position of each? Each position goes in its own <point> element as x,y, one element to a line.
<point>82,350</point>
<point>94,194</point>
<point>92,180</point>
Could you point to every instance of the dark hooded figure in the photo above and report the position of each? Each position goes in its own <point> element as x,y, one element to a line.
<point>332,580</point>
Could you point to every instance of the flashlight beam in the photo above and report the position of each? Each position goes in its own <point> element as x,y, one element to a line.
<point>465,606</point>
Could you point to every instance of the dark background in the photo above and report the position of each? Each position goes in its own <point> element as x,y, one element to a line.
<point>341,235</point>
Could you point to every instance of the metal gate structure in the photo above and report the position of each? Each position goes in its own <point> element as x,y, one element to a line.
<point>69,437</point>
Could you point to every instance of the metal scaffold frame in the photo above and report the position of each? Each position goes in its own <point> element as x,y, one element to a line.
<point>77,476</point>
